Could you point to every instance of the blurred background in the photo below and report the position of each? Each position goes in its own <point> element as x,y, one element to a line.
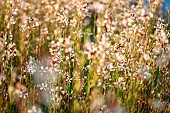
<point>167,3</point>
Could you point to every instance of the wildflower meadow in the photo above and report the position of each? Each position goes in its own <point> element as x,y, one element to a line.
<point>84,56</point>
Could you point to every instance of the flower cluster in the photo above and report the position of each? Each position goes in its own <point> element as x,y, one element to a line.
<point>73,56</point>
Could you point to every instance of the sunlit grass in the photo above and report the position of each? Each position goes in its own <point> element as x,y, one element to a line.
<point>83,56</point>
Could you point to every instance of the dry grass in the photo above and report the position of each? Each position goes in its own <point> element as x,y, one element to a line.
<point>76,56</point>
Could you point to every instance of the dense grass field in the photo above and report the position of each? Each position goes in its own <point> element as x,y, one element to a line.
<point>84,56</point>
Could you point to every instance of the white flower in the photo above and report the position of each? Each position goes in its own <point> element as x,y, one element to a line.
<point>34,109</point>
<point>43,86</point>
<point>144,73</point>
<point>146,57</point>
<point>99,7</point>
<point>119,57</point>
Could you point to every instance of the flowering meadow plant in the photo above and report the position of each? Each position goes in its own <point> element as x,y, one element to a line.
<point>74,56</point>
